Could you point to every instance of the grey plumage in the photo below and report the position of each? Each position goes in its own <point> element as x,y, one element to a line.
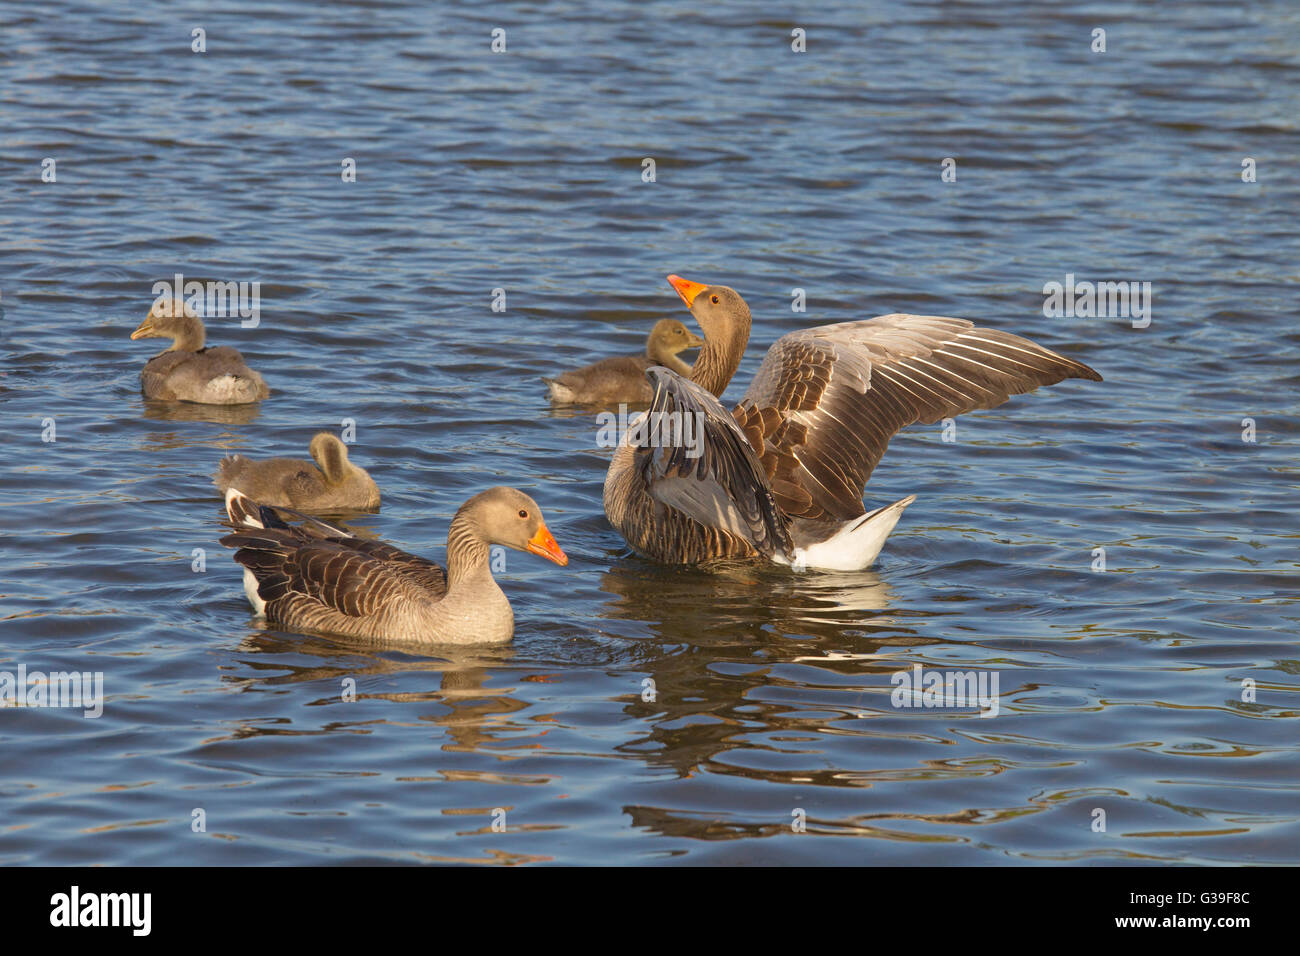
<point>711,506</point>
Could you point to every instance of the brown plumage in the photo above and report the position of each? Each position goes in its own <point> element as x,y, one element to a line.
<point>622,379</point>
<point>827,400</point>
<point>188,372</point>
<point>815,422</point>
<point>317,577</point>
<point>333,484</point>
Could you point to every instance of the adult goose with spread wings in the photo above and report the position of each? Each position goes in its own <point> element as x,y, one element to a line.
<point>782,476</point>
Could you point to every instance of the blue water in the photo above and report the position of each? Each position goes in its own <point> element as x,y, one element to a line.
<point>1121,690</point>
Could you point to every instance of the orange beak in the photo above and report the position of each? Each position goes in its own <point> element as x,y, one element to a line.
<point>140,332</point>
<point>687,289</point>
<point>544,544</point>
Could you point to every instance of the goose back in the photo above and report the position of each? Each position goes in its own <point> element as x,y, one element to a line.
<point>611,380</point>
<point>211,376</point>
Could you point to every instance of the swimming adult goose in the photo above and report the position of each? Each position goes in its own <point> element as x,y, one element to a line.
<point>188,372</point>
<point>782,475</point>
<point>622,379</point>
<point>335,484</point>
<point>318,577</point>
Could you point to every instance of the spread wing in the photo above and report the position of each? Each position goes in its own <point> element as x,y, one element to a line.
<point>694,458</point>
<point>827,400</point>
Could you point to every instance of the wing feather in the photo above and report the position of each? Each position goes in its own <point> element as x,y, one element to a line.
<point>826,401</point>
<point>694,457</point>
<point>316,574</point>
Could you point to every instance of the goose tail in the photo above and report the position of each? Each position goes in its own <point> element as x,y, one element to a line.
<point>855,545</point>
<point>242,510</point>
<point>557,391</point>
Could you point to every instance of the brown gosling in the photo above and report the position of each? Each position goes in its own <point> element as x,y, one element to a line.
<point>188,372</point>
<point>622,379</point>
<point>334,484</point>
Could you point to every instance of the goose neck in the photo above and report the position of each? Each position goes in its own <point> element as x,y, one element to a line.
<point>719,358</point>
<point>468,554</point>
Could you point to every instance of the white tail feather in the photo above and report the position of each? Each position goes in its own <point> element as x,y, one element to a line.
<point>250,592</point>
<point>241,509</point>
<point>856,545</point>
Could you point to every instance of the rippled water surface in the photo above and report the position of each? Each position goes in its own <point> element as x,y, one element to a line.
<point>1121,690</point>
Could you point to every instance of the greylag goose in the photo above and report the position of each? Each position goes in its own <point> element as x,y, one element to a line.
<point>188,372</point>
<point>782,476</point>
<point>317,577</point>
<point>335,484</point>
<point>622,379</point>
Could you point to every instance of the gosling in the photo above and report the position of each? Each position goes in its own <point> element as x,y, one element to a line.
<point>334,485</point>
<point>188,372</point>
<point>622,379</point>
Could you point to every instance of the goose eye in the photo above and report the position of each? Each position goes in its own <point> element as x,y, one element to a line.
<point>713,299</point>
<point>523,514</point>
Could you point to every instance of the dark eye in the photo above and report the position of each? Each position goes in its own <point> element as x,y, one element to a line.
<point>523,514</point>
<point>713,299</point>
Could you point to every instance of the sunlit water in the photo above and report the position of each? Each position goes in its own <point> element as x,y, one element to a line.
<point>769,693</point>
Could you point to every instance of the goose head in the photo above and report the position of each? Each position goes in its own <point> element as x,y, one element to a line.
<point>667,338</point>
<point>724,318</point>
<point>719,309</point>
<point>331,457</point>
<point>172,319</point>
<point>510,518</point>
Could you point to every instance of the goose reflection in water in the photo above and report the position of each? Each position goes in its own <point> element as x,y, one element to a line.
<point>194,412</point>
<point>724,673</point>
<point>457,680</point>
<point>745,600</point>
